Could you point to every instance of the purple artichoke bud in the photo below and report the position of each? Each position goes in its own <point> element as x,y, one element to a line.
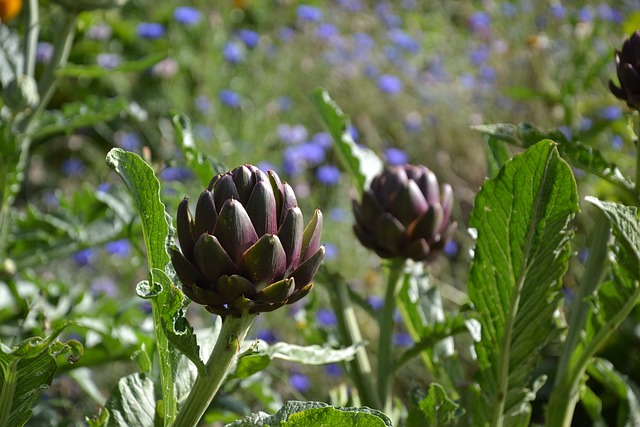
<point>404,214</point>
<point>628,69</point>
<point>247,248</point>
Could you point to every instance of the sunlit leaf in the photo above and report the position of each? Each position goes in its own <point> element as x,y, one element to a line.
<point>436,409</point>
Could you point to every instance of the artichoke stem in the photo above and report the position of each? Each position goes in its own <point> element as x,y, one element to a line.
<point>222,358</point>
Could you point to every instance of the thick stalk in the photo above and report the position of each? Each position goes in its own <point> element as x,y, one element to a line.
<point>360,367</point>
<point>385,340</point>
<point>224,354</point>
<point>32,22</point>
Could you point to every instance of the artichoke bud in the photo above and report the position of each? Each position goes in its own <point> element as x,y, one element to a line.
<point>628,70</point>
<point>403,214</point>
<point>246,249</point>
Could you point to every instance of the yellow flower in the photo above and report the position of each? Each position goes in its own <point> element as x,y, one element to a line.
<point>9,9</point>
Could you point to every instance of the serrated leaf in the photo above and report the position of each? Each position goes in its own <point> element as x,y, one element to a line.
<point>145,189</point>
<point>132,403</point>
<point>576,153</point>
<point>361,163</point>
<point>521,254</point>
<point>437,409</point>
<point>203,166</point>
<point>11,58</point>
<point>96,71</point>
<point>313,414</point>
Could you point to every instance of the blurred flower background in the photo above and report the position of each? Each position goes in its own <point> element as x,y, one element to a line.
<point>412,75</point>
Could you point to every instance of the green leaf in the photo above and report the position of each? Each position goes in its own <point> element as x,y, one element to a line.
<point>11,58</point>
<point>314,414</point>
<point>145,189</point>
<point>204,166</point>
<point>522,219</point>
<point>132,402</point>
<point>437,409</point>
<point>629,408</point>
<point>360,162</point>
<point>96,71</point>
<point>75,115</point>
<point>497,155</point>
<point>576,153</point>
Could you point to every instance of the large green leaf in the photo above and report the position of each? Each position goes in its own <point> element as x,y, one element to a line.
<point>576,153</point>
<point>360,162</point>
<point>132,403</point>
<point>522,221</point>
<point>314,414</point>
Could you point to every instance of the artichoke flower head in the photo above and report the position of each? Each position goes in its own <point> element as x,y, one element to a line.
<point>403,214</point>
<point>628,70</point>
<point>246,248</point>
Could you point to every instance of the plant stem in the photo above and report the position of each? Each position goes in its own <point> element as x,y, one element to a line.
<point>8,389</point>
<point>32,22</point>
<point>385,342</point>
<point>360,367</point>
<point>224,354</point>
<point>165,356</point>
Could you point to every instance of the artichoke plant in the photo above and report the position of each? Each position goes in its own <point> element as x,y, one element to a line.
<point>403,214</point>
<point>245,250</point>
<point>628,70</point>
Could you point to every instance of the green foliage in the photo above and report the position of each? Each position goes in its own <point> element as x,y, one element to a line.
<point>96,71</point>
<point>436,409</point>
<point>11,57</point>
<point>132,403</point>
<point>312,414</point>
<point>522,250</point>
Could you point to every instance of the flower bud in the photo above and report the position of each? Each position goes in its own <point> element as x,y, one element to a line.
<point>628,69</point>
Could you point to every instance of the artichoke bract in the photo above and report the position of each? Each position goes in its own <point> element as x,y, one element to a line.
<point>628,70</point>
<point>403,214</point>
<point>245,249</point>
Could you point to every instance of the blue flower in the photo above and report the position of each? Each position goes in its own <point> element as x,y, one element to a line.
<point>308,13</point>
<point>480,22</point>
<point>73,167</point>
<point>353,131</point>
<point>104,187</point>
<point>403,40</point>
<point>292,135</point>
<point>233,53</point>
<point>266,166</point>
<point>322,139</point>
<point>203,104</point>
<point>99,32</point>
<point>480,55</point>
<point>390,84</point>
<point>333,370</point>
<point>249,37</point>
<point>566,131</point>
<point>326,31</point>
<point>616,142</point>
<point>84,257</point>
<point>611,113</point>
<point>487,74</point>
<point>172,173</point>
<point>585,14</point>
<point>558,11</point>
<point>451,248</point>
<point>230,98</point>
<point>300,382</point>
<point>396,156</point>
<point>509,10</point>
<point>312,153</point>
<point>129,141</point>
<point>286,34</point>
<point>608,13</point>
<point>326,318</point>
<point>586,124</point>
<point>44,52</point>
<point>375,302</point>
<point>108,61</point>
<point>266,335</point>
<point>121,248</point>
<point>292,161</point>
<point>328,174</point>
<point>150,30</point>
<point>351,5</point>
<point>104,286</point>
<point>330,251</point>
<point>187,15</point>
<point>402,339</point>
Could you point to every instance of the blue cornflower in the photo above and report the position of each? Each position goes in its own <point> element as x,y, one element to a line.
<point>566,131</point>
<point>300,382</point>
<point>612,112</point>
<point>203,104</point>
<point>402,339</point>
<point>44,52</point>
<point>187,15</point>
<point>616,142</point>
<point>172,173</point>
<point>479,56</point>
<point>73,167</point>
<point>585,14</point>
<point>104,286</point>
<point>396,156</point>
<point>451,248</point>
<point>129,141</point>
<point>313,154</point>
<point>330,251</point>
<point>586,124</point>
<point>150,30</point>
<point>230,98</point>
<point>308,13</point>
<point>266,166</point>
<point>99,32</point>
<point>326,318</point>
<point>558,11</point>
<point>121,248</point>
<point>390,84</point>
<point>403,40</point>
<point>353,131</point>
<point>328,174</point>
<point>233,53</point>
<point>487,74</point>
<point>375,302</point>
<point>480,22</point>
<point>322,139</point>
<point>326,31</point>
<point>84,257</point>
<point>249,37</point>
<point>351,5</point>
<point>292,135</point>
<point>292,162</point>
<point>104,187</point>
<point>266,335</point>
<point>108,61</point>
<point>467,81</point>
<point>608,13</point>
<point>333,370</point>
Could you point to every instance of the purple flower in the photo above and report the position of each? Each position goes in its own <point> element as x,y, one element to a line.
<point>203,104</point>
<point>487,74</point>
<point>480,22</point>
<point>292,161</point>
<point>616,142</point>
<point>402,339</point>
<point>165,69</point>
<point>104,187</point>
<point>129,141</point>
<point>451,248</point>
<point>608,13</point>
<point>353,131</point>
<point>396,156</point>
<point>233,53</point>
<point>230,98</point>
<point>292,135</point>
<point>351,5</point>
<point>480,55</point>
<point>44,52</point>
<point>300,382</point>
<point>266,335</point>
<point>284,103</point>
<point>108,61</point>
<point>286,34</point>
<point>120,248</point>
<point>326,31</point>
<point>328,174</point>
<point>558,11</point>
<point>326,318</point>
<point>330,251</point>
<point>375,302</point>
<point>566,131</point>
<point>172,173</point>
<point>585,15</point>
<point>308,13</point>
<point>611,113</point>
<point>84,257</point>
<point>150,30</point>
<point>266,166</point>
<point>333,370</point>
<point>509,10</point>
<point>390,84</point>
<point>250,38</point>
<point>312,153</point>
<point>322,139</point>
<point>187,15</point>
<point>104,286</point>
<point>99,32</point>
<point>403,40</point>
<point>73,167</point>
